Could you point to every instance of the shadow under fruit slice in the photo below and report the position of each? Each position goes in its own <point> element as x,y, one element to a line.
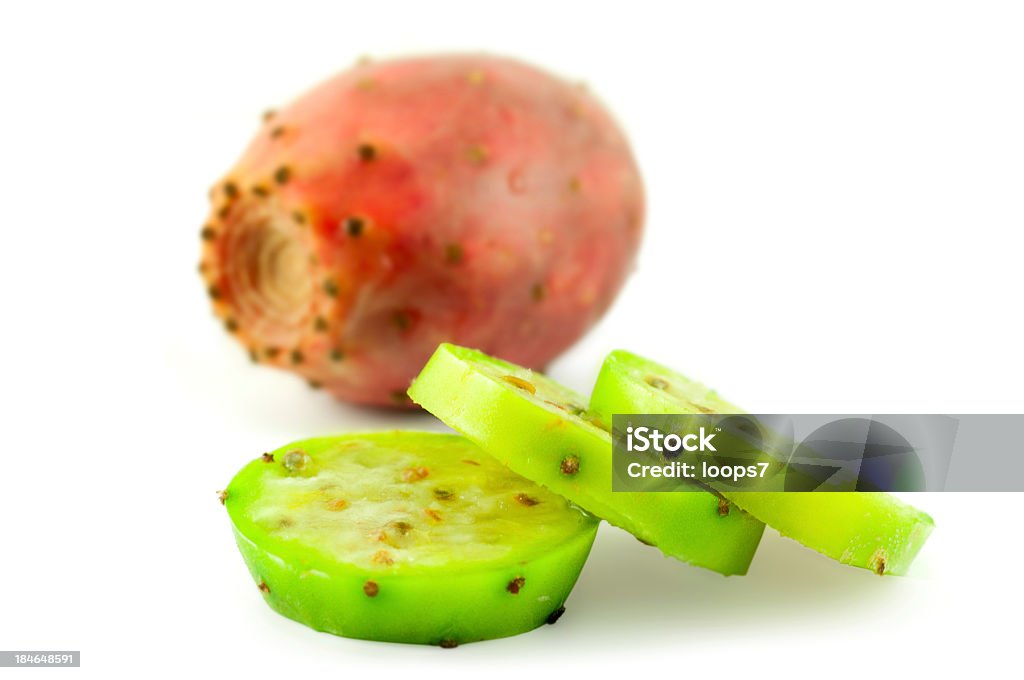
<point>542,431</point>
<point>872,530</point>
<point>405,537</point>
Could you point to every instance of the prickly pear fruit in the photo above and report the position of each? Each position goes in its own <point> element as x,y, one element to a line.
<point>871,530</point>
<point>403,203</point>
<point>541,430</point>
<point>405,537</point>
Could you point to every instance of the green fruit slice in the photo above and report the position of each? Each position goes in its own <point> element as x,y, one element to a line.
<point>541,430</point>
<point>865,529</point>
<point>405,537</point>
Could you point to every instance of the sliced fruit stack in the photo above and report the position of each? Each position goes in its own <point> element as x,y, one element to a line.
<point>447,539</point>
<point>540,429</point>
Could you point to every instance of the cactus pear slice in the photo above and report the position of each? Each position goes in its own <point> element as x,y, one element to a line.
<point>871,530</point>
<point>401,203</point>
<point>405,537</point>
<point>542,431</point>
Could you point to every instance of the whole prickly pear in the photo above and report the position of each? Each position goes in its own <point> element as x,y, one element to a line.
<point>404,203</point>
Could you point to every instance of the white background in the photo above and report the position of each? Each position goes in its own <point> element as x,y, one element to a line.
<point>835,195</point>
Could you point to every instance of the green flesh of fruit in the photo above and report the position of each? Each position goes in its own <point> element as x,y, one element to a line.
<point>543,431</point>
<point>405,537</point>
<point>864,529</point>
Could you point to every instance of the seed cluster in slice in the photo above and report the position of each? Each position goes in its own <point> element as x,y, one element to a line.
<point>544,432</point>
<point>405,537</point>
<point>872,530</point>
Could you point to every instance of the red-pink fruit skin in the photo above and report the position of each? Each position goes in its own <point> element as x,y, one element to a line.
<point>502,209</point>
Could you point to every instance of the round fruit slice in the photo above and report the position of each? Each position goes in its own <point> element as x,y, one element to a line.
<point>542,431</point>
<point>405,537</point>
<point>872,530</point>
